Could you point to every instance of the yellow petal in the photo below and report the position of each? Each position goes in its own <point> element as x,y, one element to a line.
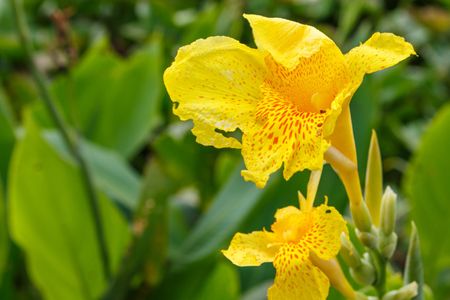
<point>296,277</point>
<point>381,51</point>
<point>291,224</point>
<point>295,116</point>
<point>287,41</point>
<point>215,82</point>
<point>252,249</point>
<point>282,132</point>
<point>324,236</point>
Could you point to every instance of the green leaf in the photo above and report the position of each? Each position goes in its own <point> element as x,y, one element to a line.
<point>208,280</point>
<point>258,292</point>
<point>114,102</point>
<point>428,191</point>
<point>7,137</point>
<point>227,212</point>
<point>4,240</point>
<point>51,220</point>
<point>194,167</point>
<point>414,266</point>
<point>148,249</point>
<point>112,175</point>
<point>221,284</point>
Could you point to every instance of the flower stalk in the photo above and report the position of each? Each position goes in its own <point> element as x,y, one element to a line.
<point>313,185</point>
<point>348,173</point>
<point>335,274</point>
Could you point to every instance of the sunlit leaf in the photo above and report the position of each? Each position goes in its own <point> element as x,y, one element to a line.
<point>414,265</point>
<point>111,173</point>
<point>51,220</point>
<point>114,102</point>
<point>221,284</point>
<point>428,192</point>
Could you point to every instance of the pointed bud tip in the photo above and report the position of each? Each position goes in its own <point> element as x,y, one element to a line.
<point>374,179</point>
<point>388,211</point>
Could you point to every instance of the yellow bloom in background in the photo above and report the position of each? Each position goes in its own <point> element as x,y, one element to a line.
<point>295,236</point>
<point>287,96</point>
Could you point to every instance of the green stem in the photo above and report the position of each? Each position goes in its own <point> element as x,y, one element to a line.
<point>380,266</point>
<point>71,141</point>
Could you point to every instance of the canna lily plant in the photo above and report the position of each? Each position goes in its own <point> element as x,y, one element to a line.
<point>289,97</point>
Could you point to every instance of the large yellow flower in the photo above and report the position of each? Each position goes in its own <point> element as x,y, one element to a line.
<point>296,235</point>
<point>289,97</point>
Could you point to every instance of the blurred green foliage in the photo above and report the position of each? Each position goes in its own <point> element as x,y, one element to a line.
<point>428,191</point>
<point>168,204</point>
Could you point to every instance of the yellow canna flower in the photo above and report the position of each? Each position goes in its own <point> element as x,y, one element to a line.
<point>289,97</point>
<point>297,237</point>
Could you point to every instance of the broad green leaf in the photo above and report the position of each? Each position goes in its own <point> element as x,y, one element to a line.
<point>413,265</point>
<point>227,212</point>
<point>428,191</point>
<point>134,110</point>
<point>4,240</point>
<point>111,173</point>
<point>221,284</point>
<point>7,137</point>
<point>114,102</point>
<point>51,220</point>
<point>215,279</point>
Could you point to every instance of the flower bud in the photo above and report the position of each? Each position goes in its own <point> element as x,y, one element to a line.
<point>361,269</point>
<point>387,239</point>
<point>405,293</point>
<point>414,265</point>
<point>349,253</point>
<point>369,239</point>
<point>388,204</point>
<point>387,244</point>
<point>361,216</point>
<point>374,180</point>
<point>361,296</point>
<point>364,275</point>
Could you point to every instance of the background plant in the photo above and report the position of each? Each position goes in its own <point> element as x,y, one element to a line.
<point>170,204</point>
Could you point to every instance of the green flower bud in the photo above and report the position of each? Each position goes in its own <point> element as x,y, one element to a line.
<point>364,274</point>
<point>349,252</point>
<point>361,296</point>
<point>387,244</point>
<point>361,269</point>
<point>388,204</point>
<point>405,293</point>
<point>369,239</point>
<point>361,216</point>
